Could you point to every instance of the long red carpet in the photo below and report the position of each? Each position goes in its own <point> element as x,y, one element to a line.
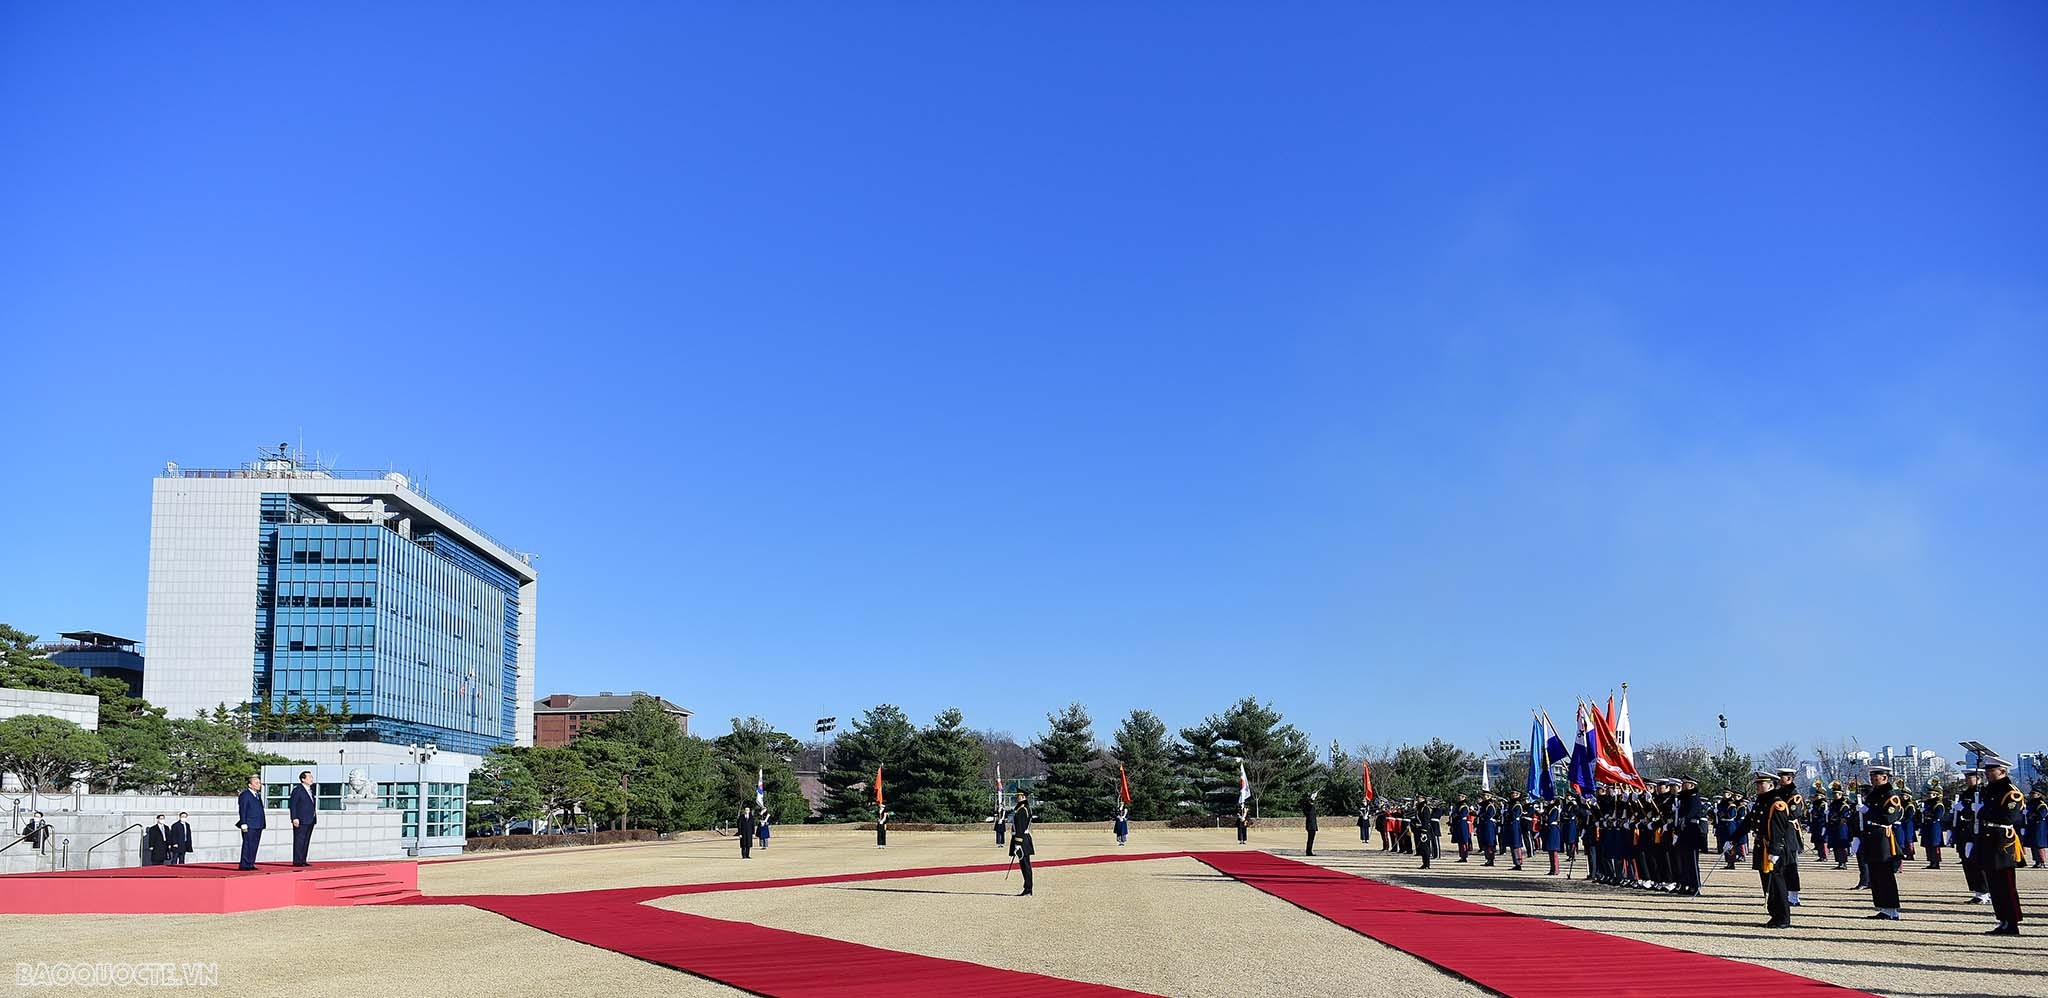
<point>1513,954</point>
<point>1516,955</point>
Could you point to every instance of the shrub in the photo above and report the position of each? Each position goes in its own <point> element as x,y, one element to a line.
<point>490,842</point>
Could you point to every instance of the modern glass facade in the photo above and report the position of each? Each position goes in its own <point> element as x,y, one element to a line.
<point>406,640</point>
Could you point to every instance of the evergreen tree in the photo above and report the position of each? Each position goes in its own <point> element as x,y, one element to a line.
<point>942,778</point>
<point>647,772</point>
<point>1438,769</point>
<point>1142,748</point>
<point>754,749</point>
<point>1072,789</point>
<point>1276,758</point>
<point>1341,784</point>
<point>880,737</point>
<point>1203,773</point>
<point>501,791</point>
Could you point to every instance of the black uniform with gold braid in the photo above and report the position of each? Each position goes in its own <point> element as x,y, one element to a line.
<point>1997,849</point>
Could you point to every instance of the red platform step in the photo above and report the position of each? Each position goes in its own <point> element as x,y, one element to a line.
<point>206,888</point>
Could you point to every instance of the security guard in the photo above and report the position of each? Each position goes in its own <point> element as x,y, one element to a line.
<point>1877,845</point>
<point>1997,843</point>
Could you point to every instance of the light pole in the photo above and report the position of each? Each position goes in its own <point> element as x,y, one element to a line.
<point>420,755</point>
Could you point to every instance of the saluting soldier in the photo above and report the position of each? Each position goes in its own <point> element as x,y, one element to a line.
<point>1771,823</point>
<point>1997,843</point>
<point>1877,846</point>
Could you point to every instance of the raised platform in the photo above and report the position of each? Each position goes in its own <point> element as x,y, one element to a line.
<point>205,888</point>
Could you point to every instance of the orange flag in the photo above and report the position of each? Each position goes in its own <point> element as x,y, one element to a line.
<point>1365,768</point>
<point>878,786</point>
<point>1123,783</point>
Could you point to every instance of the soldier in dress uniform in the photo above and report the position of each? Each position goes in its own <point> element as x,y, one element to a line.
<point>1933,816</point>
<point>882,828</point>
<point>1996,847</point>
<point>1001,822</point>
<point>1692,836</point>
<point>1817,818</point>
<point>1770,821</point>
<point>1488,825</point>
<point>1796,810</point>
<point>1244,823</point>
<point>1461,828</point>
<point>1963,832</point>
<point>1308,823</point>
<point>1550,822</point>
<point>1422,821</point>
<point>1021,845</point>
<point>2037,822</point>
<point>1877,844</point>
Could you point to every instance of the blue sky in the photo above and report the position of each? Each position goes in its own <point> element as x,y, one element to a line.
<point>1408,371</point>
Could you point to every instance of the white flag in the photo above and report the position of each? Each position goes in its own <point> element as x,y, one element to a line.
<point>1628,751</point>
<point>1244,785</point>
<point>760,792</point>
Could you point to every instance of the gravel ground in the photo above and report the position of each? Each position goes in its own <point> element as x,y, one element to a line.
<point>1173,927</point>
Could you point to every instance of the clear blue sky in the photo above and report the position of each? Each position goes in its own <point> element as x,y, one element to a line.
<point>1409,372</point>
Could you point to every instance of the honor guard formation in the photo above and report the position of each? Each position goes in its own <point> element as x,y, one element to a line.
<point>1652,839</point>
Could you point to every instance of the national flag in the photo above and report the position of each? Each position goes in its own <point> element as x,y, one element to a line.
<point>1621,731</point>
<point>1365,770</point>
<point>1553,746</point>
<point>1486,775</point>
<point>878,786</point>
<point>1539,785</point>
<point>1244,785</point>
<point>1123,785</point>
<point>1610,712</point>
<point>760,792</point>
<point>1584,751</point>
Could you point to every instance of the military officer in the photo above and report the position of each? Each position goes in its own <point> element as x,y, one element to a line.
<point>1999,808</point>
<point>1488,826</point>
<point>1933,816</point>
<point>1796,809</point>
<point>1963,832</point>
<point>1461,827</point>
<point>1021,845</point>
<point>1876,845</point>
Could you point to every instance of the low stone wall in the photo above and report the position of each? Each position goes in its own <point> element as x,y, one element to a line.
<point>339,834</point>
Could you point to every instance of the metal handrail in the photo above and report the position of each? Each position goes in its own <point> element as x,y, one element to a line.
<point>19,840</point>
<point>104,841</point>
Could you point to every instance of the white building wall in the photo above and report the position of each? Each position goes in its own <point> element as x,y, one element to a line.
<point>374,834</point>
<point>82,709</point>
<point>201,620</point>
<point>529,627</point>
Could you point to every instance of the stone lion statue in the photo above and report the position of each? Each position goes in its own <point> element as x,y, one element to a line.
<point>359,786</point>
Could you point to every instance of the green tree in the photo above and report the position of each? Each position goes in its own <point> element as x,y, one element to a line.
<point>1340,785</point>
<point>561,780</point>
<point>1073,789</point>
<point>1142,747</point>
<point>502,791</point>
<point>1439,769</point>
<point>754,749</point>
<point>943,775</point>
<point>1276,758</point>
<point>45,752</point>
<point>879,738</point>
<point>138,756</point>
<point>647,772</point>
<point>1203,771</point>
<point>207,758</point>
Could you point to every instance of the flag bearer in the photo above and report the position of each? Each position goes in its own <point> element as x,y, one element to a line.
<point>1489,825</point>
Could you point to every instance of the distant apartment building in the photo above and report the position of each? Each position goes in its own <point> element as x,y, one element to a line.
<point>102,656</point>
<point>561,718</point>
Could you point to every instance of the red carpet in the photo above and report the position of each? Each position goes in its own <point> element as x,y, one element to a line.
<point>205,888</point>
<point>1513,954</point>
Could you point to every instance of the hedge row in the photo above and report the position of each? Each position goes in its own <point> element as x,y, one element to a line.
<point>513,842</point>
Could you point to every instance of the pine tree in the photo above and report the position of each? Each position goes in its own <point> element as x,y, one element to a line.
<point>755,750</point>
<point>1142,748</point>
<point>1276,758</point>
<point>1072,789</point>
<point>880,737</point>
<point>942,778</point>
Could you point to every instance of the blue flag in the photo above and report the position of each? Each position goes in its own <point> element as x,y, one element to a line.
<point>1539,767</point>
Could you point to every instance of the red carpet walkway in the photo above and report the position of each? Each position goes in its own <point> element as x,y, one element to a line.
<point>1515,955</point>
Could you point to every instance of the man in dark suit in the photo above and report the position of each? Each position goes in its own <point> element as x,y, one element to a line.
<point>746,833</point>
<point>1308,821</point>
<point>249,819</point>
<point>156,843</point>
<point>305,814</point>
<point>37,832</point>
<point>181,839</point>
<point>1020,839</point>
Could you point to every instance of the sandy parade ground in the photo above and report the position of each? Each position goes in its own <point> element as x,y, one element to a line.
<point>1169,926</point>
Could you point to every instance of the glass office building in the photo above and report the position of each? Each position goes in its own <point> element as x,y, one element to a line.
<point>345,607</point>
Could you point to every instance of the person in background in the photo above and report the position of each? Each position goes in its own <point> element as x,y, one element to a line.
<point>1932,812</point>
<point>156,843</point>
<point>181,839</point>
<point>37,832</point>
<point>305,805</point>
<point>882,828</point>
<point>1244,822</point>
<point>1001,825</point>
<point>1308,822</point>
<point>761,830</point>
<point>1020,839</point>
<point>1122,825</point>
<point>746,833</point>
<point>2037,823</point>
<point>249,820</point>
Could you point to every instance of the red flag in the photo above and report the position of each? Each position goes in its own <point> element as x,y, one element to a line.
<point>1123,784</point>
<point>1610,765</point>
<point>1365,769</point>
<point>878,786</point>
<point>1610,712</point>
